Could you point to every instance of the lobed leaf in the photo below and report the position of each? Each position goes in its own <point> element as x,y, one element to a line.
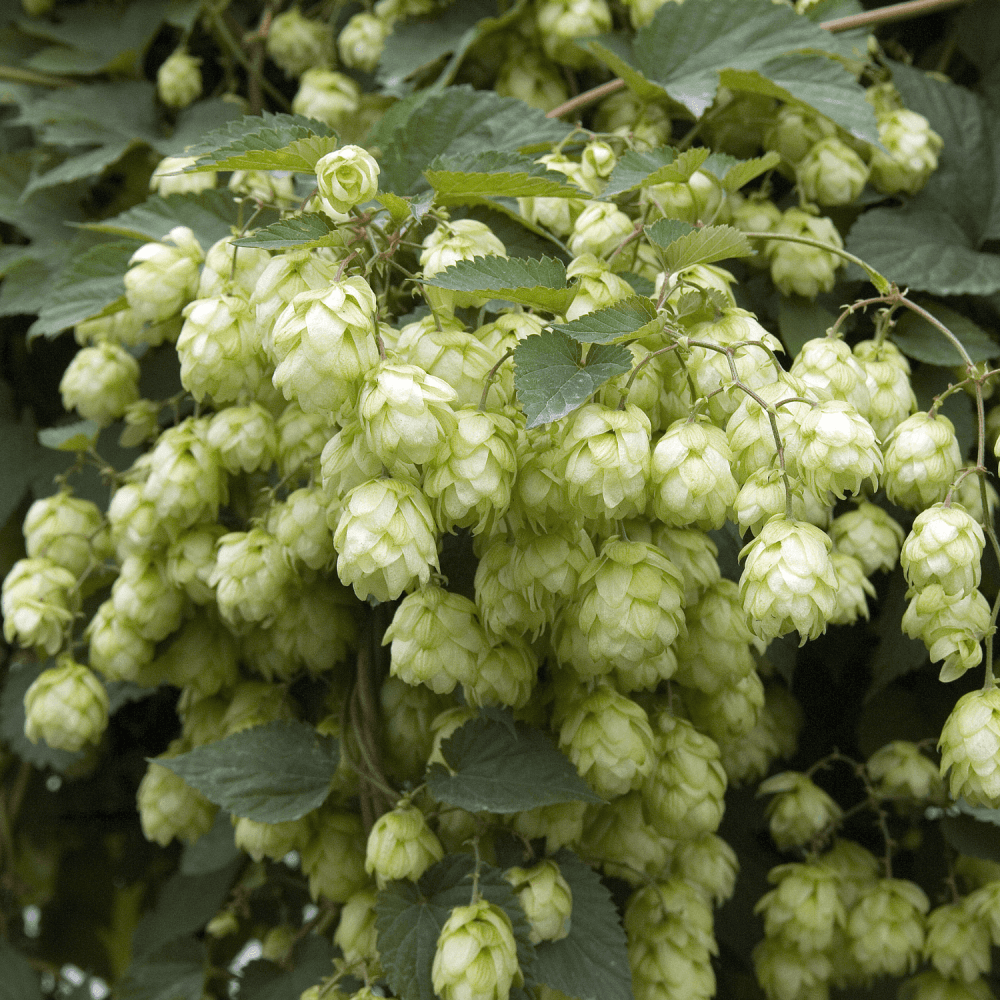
<point>629,319</point>
<point>663,232</point>
<point>504,768</point>
<point>706,246</point>
<point>270,773</point>
<point>919,339</point>
<point>493,174</point>
<point>656,166</point>
<point>266,142</point>
<point>310,229</point>
<point>735,173</point>
<point>529,281</point>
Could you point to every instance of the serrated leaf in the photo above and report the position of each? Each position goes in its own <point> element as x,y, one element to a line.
<point>212,851</point>
<point>493,174</point>
<point>92,285</point>
<point>733,173</point>
<point>409,919</point>
<point>78,436</point>
<point>18,980</point>
<point>655,166</point>
<point>628,319</point>
<point>264,980</point>
<point>919,339</point>
<point>552,381</point>
<point>663,232</point>
<point>450,122</point>
<point>591,963</point>
<point>706,246</point>
<point>800,320</point>
<point>268,142</point>
<point>689,48</point>
<point>399,208</point>
<point>174,972</point>
<point>500,771</point>
<point>210,215</point>
<point>270,773</point>
<point>969,836</point>
<point>310,229</point>
<point>540,283</point>
<point>19,459</point>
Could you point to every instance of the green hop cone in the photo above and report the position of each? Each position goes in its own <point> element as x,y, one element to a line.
<point>958,941</point>
<point>838,452</point>
<point>245,438</point>
<point>356,935</point>
<point>709,863</point>
<point>328,96</point>
<point>931,985</point>
<point>530,77</point>
<point>271,840</point>
<point>169,807</point>
<point>178,80</point>
<point>191,559</point>
<point>450,242</point>
<point>870,535</point>
<point>945,546</point>
<point>299,524</point>
<point>476,955</point>
<point>970,748</point>
<point>887,376</point>
<point>694,554</point>
<point>297,43</point>
<point>785,973</point>
<point>800,810</point>
<point>952,627</point>
<point>401,845</point>
<point>561,22</point>
<point>66,530</point>
<point>361,41</point>
<point>346,177</point>
<point>100,383</point>
<point>163,277</point>
<point>117,649</point>
<point>800,269</point>
<point>601,228</point>
<point>545,897</point>
<point>66,706</point>
<point>505,675</point>
<point>886,927</point>
<point>911,155</point>
<point>597,286</point>
<point>618,839</point>
<point>922,459</point>
<point>853,590</point>
<point>695,200</point>
<point>794,130</point>
<point>334,859</point>
<point>900,770</point>
<point>229,269</point>
<point>804,909</point>
<point>788,581</point>
<point>831,173</point>
<point>251,577</point>
<point>436,638</point>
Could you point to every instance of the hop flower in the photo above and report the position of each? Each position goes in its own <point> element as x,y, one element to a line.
<point>831,173</point>
<point>560,22</point>
<point>608,461</point>
<point>805,908</point>
<point>608,738</point>
<point>922,458</point>
<point>169,807</point>
<point>229,269</point>
<point>169,178</point>
<point>450,242</point>
<point>691,476</point>
<point>545,897</point>
<point>853,589</point>
<point>66,705</point>
<point>695,200</point>
<point>244,438</point>
<point>870,535</point>
<point>945,546</point>
<point>530,77</point>
<point>334,859</point>
<point>970,748</point>
<point>178,80</point>
<point>271,840</point>
<point>931,985</point>
<point>826,365</point>
<point>67,530</point>
<point>505,675</point>
<point>800,810</point>
<point>326,95</point>
<point>694,554</point>
<point>788,580</point>
<point>117,649</point>
<point>39,602</point>
<point>600,229</point>
<point>887,376</point>
<point>597,286</point>
<point>785,973</point>
<point>476,956</point>
<point>191,559</point>
<point>795,130</point>
<point>436,639</point>
<point>299,523</point>
<point>709,863</point>
<point>886,927</point>
<point>346,177</point>
<point>800,269</point>
<point>251,577</point>
<point>361,41</point>
<point>899,769</point>
<point>401,845</point>
<point>911,156</point>
<point>100,383</point>
<point>356,935</point>
<point>385,539</point>
<point>297,44</point>
<point>951,626</point>
<point>163,276</point>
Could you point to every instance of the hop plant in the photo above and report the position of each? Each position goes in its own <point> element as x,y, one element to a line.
<point>505,675</point>
<point>66,706</point>
<point>334,859</point>
<point>401,845</point>
<point>100,383</point>
<point>361,41</point>
<point>970,748</point>
<point>887,376</point>
<point>922,458</point>
<point>476,955</point>
<point>886,927</point>
<point>899,769</point>
<point>356,935</point>
<point>951,626</point>
<point>870,535</point>
<point>944,547</point>
<point>546,898</point>
<point>911,152</point>
<point>251,577</point>
<point>169,807</point>
<point>178,80</point>
<point>831,173</point>
<point>67,530</point>
<point>561,22</point>
<point>346,177</point>
<point>163,277</point>
<point>297,43</point>
<point>326,95</point>
<point>800,810</point>
<point>838,452</point>
<point>39,602</point>
<point>804,909</point>
<point>800,269</point>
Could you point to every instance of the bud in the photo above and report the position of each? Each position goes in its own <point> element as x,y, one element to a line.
<point>804,909</point>
<point>66,706</point>
<point>297,44</point>
<point>476,956</point>
<point>831,173</point>
<point>100,383</point>
<point>334,860</point>
<point>800,811</point>
<point>66,530</point>
<point>385,539</point>
<point>436,639</point>
<point>911,155</point>
<point>346,177</point>
<point>945,546</point>
<point>886,927</point>
<point>401,845</point>
<point>327,96</point>
<point>788,581</point>
<point>39,602</point>
<point>870,535</point>
<point>608,738</point>
<point>178,80</point>
<point>323,344</point>
<point>970,748</point>
<point>691,476</point>
<point>361,41</point>
<point>251,577</point>
<point>162,277</point>
<point>600,229</point>
<point>922,459</point>
<point>560,22</point>
<point>797,268</point>
<point>545,897</point>
<point>169,807</point>
<point>505,675</point>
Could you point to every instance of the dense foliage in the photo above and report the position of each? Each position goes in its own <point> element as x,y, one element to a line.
<point>497,500</point>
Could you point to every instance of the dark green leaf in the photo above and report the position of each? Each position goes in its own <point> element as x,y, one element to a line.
<point>656,166</point>
<point>552,381</point>
<point>492,174</point>
<point>800,320</point>
<point>270,773</point>
<point>268,142</point>
<point>212,851</point>
<point>592,962</point>
<point>929,381</point>
<point>210,215</point>
<point>640,285</point>
<point>735,173</point>
<point>518,240</point>
<point>971,837</point>
<point>409,919</point>
<point>706,246</point>
<point>663,232</point>
<point>186,903</point>
<point>453,121</point>
<point>19,455</point>
<point>540,283</point>
<point>263,980</point>
<point>918,339</point>
<point>629,319</point>
<point>895,654</point>
<point>20,677</point>
<point>78,436</point>
<point>92,285</point>
<point>500,771</point>
<point>312,229</point>
<point>688,47</point>
<point>18,980</point>
<point>174,972</point>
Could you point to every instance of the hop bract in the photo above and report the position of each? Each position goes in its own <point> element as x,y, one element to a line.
<point>401,845</point>
<point>66,705</point>
<point>476,956</point>
<point>945,546</point>
<point>970,748</point>
<point>922,459</point>
<point>346,177</point>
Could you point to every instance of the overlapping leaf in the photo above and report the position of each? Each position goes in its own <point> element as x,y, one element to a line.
<point>919,339</point>
<point>733,173</point>
<point>266,142</point>
<point>471,177</point>
<point>311,229</point>
<point>698,246</point>
<point>655,166</point>
<point>629,319</point>
<point>539,283</point>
